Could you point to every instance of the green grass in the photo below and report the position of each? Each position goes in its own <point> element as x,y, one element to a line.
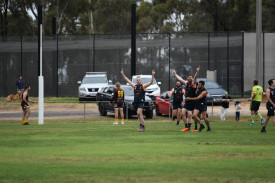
<point>97,151</point>
<point>50,99</point>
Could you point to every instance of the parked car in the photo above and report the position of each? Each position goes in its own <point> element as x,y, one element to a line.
<point>92,83</point>
<point>162,104</point>
<point>153,90</point>
<point>107,94</point>
<point>215,91</point>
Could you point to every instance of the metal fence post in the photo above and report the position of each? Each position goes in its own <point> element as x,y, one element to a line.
<point>212,107</point>
<point>127,112</point>
<point>169,111</point>
<point>84,110</point>
<point>21,55</point>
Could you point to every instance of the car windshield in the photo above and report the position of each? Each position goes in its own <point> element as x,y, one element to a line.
<point>144,80</point>
<point>211,85</point>
<point>128,91</point>
<point>93,80</point>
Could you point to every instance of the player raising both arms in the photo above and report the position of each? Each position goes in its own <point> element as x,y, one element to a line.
<point>177,94</point>
<point>201,106</point>
<point>190,91</point>
<point>139,96</point>
<point>270,105</point>
<point>118,97</point>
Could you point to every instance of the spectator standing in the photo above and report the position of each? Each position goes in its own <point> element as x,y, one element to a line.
<point>225,105</point>
<point>238,113</point>
<point>20,84</point>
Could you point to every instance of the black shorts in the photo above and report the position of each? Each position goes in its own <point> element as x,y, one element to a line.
<point>201,106</point>
<point>24,107</point>
<point>270,110</point>
<point>254,106</point>
<point>119,105</point>
<point>189,105</point>
<point>177,106</point>
<point>138,105</point>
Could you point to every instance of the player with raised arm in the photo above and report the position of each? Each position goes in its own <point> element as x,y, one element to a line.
<point>177,94</point>
<point>270,105</point>
<point>118,97</point>
<point>201,106</point>
<point>190,91</point>
<point>139,96</point>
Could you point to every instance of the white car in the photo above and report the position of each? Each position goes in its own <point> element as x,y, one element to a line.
<point>92,83</point>
<point>153,90</point>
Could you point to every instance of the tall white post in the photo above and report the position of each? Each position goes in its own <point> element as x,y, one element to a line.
<point>40,84</point>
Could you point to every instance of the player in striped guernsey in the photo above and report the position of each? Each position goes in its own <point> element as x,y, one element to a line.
<point>139,96</point>
<point>270,105</point>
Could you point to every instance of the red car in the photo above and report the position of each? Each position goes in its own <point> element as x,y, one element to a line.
<point>162,104</point>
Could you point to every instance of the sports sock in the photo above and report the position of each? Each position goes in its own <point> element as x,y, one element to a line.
<point>259,115</point>
<point>253,118</point>
<point>196,127</point>
<point>186,126</point>
<point>23,121</point>
<point>207,123</point>
<point>122,120</point>
<point>189,125</point>
<point>116,120</point>
<point>263,128</point>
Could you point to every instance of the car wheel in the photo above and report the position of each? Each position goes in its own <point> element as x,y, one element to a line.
<point>102,110</point>
<point>157,111</point>
<point>149,114</point>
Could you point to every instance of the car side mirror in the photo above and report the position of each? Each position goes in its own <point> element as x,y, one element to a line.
<point>159,83</point>
<point>79,82</point>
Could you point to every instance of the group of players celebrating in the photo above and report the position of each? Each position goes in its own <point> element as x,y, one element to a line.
<point>195,104</point>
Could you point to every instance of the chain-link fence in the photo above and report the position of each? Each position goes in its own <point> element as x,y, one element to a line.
<point>66,58</point>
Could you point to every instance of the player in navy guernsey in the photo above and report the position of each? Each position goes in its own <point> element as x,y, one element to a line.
<point>190,91</point>
<point>201,106</point>
<point>270,105</point>
<point>139,96</point>
<point>177,94</point>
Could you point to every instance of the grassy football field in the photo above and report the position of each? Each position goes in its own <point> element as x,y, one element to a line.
<point>71,150</point>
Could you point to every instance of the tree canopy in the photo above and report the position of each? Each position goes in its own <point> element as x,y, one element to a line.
<point>114,16</point>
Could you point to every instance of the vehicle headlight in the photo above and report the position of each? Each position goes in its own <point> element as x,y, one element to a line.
<point>82,89</point>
